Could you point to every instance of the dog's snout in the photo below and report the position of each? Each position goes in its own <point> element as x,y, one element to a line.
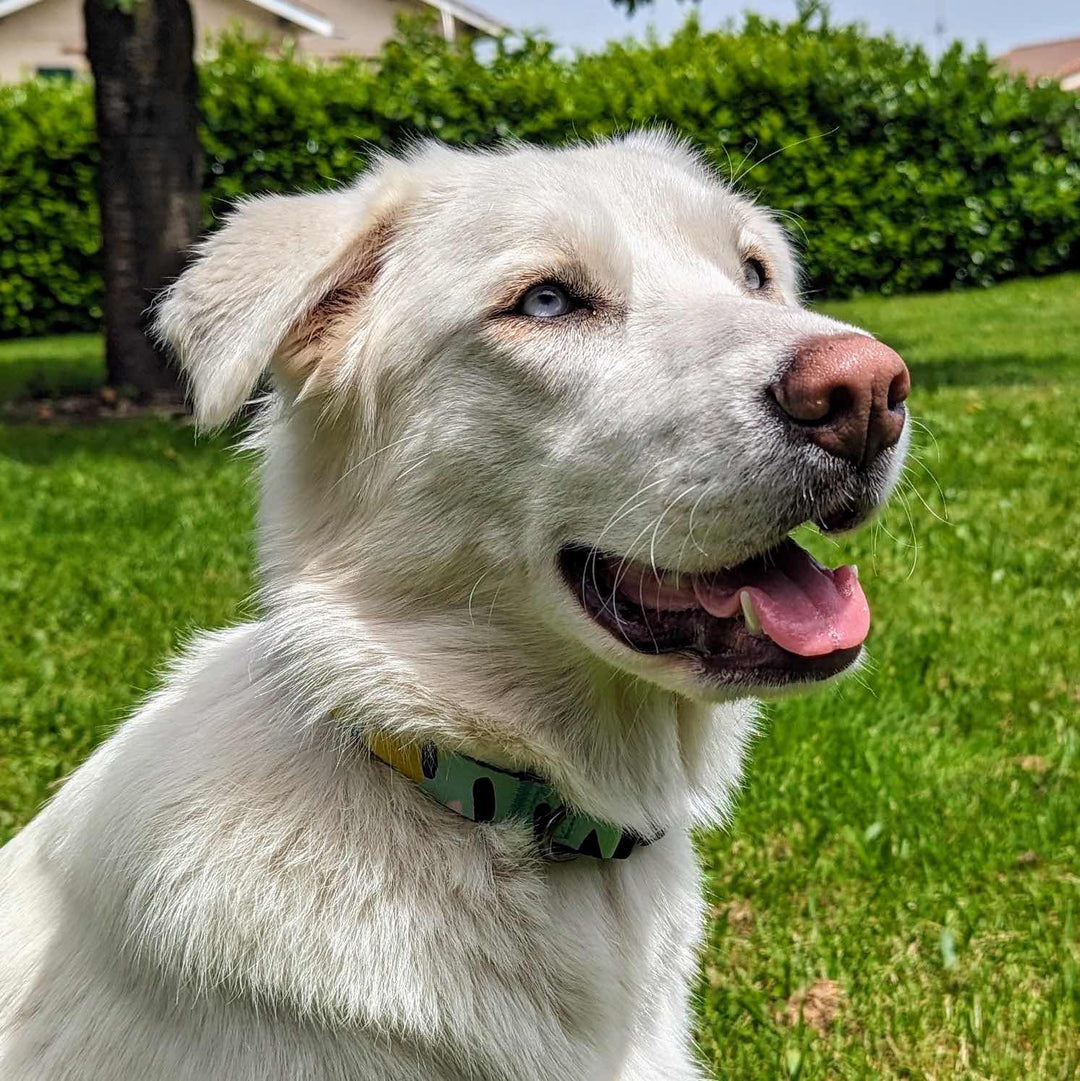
<point>845,393</point>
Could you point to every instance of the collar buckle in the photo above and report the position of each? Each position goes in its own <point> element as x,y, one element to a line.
<point>544,829</point>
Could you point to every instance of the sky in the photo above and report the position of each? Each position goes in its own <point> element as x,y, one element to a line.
<point>1001,24</point>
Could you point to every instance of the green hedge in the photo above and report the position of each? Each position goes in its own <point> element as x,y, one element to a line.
<point>897,173</point>
<point>50,265</point>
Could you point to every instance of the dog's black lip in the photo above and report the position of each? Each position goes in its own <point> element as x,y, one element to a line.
<point>841,519</point>
<point>720,651</point>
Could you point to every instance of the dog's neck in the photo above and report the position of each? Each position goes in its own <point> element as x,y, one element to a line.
<point>615,746</point>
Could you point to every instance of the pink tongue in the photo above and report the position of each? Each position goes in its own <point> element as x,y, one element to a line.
<point>803,607</point>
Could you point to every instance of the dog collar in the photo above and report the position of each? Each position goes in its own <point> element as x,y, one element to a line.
<point>485,793</point>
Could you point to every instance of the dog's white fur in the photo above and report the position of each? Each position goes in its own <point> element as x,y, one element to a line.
<point>230,887</point>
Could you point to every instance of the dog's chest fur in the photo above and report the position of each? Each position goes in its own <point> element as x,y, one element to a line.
<point>281,912</point>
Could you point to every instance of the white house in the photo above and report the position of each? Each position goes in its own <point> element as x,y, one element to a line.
<point>46,36</point>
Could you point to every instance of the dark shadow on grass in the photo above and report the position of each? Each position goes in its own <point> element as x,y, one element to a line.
<point>164,443</point>
<point>994,371</point>
<point>34,379</point>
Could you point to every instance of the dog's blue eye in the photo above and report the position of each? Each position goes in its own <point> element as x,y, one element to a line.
<point>545,302</point>
<point>754,275</point>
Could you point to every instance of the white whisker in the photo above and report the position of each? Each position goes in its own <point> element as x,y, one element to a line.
<point>780,150</point>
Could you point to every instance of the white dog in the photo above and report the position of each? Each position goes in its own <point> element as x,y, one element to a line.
<point>541,424</point>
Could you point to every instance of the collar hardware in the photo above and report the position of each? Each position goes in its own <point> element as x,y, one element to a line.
<point>544,830</point>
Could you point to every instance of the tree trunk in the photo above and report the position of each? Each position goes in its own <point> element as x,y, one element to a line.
<point>150,175</point>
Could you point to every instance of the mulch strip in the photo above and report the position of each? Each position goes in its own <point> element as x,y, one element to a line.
<point>103,405</point>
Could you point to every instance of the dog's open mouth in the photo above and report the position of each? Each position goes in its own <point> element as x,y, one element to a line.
<point>780,617</point>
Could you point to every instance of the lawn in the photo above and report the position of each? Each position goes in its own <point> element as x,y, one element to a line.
<point>899,895</point>
<point>72,364</point>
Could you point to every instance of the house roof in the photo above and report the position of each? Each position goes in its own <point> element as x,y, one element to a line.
<point>297,14</point>
<point>1047,59</point>
<point>9,7</point>
<point>317,23</point>
<point>469,16</point>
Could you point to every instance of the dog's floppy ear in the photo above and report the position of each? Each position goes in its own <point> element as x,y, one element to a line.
<point>257,282</point>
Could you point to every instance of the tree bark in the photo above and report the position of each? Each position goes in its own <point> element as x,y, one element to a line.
<point>150,176</point>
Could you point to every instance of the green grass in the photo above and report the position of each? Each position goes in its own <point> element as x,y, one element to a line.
<point>911,836</point>
<point>48,367</point>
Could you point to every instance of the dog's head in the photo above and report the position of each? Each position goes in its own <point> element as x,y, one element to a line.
<point>561,398</point>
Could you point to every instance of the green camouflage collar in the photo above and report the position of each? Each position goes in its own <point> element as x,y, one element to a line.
<point>484,793</point>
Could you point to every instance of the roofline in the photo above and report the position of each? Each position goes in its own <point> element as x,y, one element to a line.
<point>1037,45</point>
<point>469,16</point>
<point>303,17</point>
<point>9,7</point>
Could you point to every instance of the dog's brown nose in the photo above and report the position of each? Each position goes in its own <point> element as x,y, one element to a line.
<point>845,392</point>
